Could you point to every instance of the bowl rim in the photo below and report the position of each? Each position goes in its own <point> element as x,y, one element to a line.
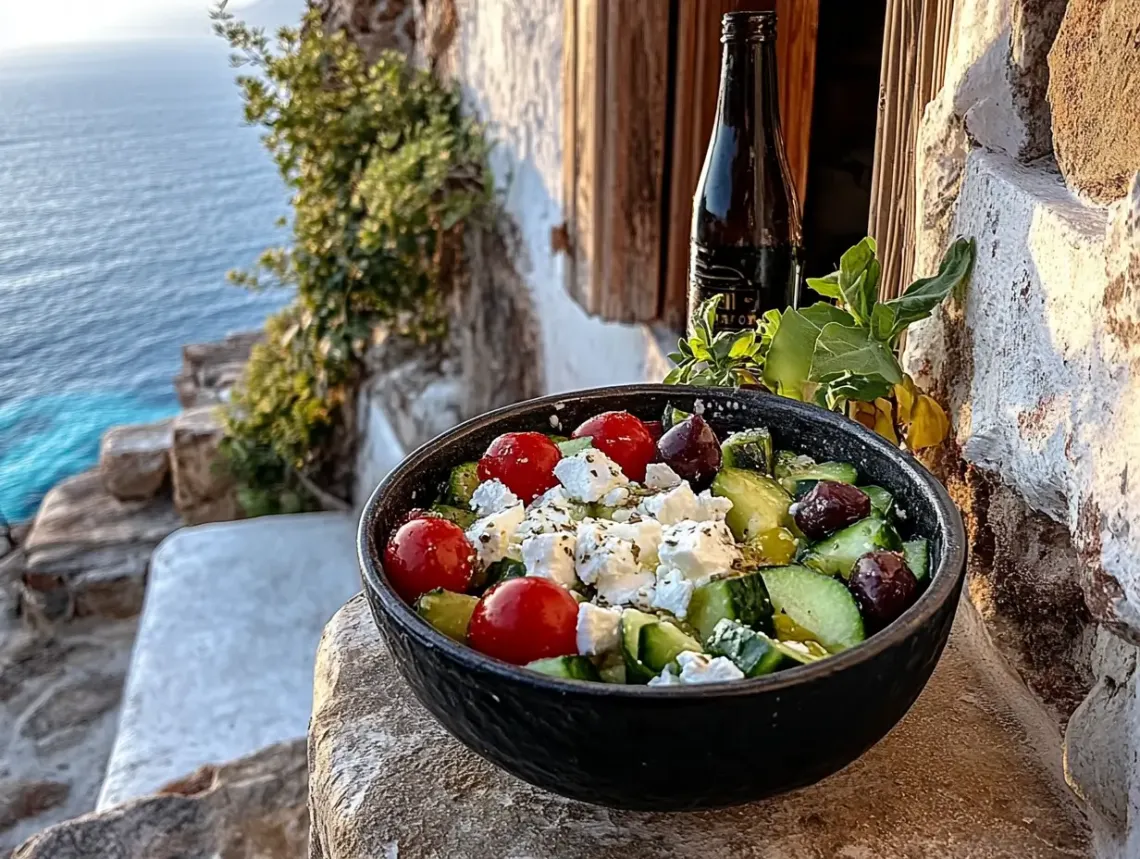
<point>943,584</point>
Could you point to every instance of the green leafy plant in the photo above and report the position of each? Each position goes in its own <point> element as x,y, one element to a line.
<point>385,172</point>
<point>840,356</point>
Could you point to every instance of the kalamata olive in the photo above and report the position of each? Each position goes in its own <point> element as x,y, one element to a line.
<point>692,450</point>
<point>883,586</point>
<point>828,507</point>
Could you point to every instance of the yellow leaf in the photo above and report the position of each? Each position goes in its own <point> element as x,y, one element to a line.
<point>904,396</point>
<point>863,413</point>
<point>929,425</point>
<point>885,420</point>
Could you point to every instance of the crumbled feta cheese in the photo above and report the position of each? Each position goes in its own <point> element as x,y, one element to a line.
<point>491,535</point>
<point>616,497</point>
<point>712,507</point>
<point>550,556</point>
<point>624,514</point>
<point>599,629</point>
<point>626,588</point>
<point>645,534</point>
<point>589,475</point>
<point>700,550</point>
<point>672,506</point>
<point>699,668</point>
<point>659,476</point>
<point>492,496</point>
<point>599,552</point>
<point>550,513</point>
<point>672,592</point>
<point>667,677</point>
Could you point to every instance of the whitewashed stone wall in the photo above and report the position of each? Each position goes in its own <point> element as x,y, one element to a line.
<point>1041,364</point>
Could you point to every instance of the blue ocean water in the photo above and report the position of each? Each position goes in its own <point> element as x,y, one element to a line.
<point>128,187</point>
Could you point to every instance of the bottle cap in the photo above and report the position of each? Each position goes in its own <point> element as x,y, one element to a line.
<point>748,27</point>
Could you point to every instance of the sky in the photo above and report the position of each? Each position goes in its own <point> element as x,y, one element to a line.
<point>26,23</point>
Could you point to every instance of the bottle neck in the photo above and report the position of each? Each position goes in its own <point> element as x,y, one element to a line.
<point>749,98</point>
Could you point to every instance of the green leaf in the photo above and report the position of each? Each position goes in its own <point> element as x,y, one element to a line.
<point>922,296</point>
<point>842,349</point>
<point>743,345</point>
<point>674,376</point>
<point>864,388</point>
<point>789,357</point>
<point>859,280</point>
<point>828,286</point>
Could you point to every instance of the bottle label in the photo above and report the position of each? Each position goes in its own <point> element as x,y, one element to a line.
<point>751,281</point>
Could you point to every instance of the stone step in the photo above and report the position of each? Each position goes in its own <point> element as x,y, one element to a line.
<point>956,779</point>
<point>134,459</point>
<point>222,665</point>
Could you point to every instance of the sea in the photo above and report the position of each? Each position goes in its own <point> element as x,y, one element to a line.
<point>129,185</point>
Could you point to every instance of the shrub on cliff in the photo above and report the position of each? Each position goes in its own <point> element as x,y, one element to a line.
<point>384,170</point>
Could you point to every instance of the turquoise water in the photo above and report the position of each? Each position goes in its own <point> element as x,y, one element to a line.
<point>128,187</point>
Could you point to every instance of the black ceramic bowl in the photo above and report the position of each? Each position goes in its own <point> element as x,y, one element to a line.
<point>673,748</point>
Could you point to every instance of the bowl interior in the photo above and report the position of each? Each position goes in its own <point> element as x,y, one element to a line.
<point>927,509</point>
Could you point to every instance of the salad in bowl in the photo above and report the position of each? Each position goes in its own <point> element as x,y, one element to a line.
<point>655,552</point>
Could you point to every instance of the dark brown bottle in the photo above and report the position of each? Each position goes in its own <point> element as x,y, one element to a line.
<point>746,233</point>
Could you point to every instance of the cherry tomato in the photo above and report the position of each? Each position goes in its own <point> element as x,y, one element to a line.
<point>624,439</point>
<point>521,620</point>
<point>524,461</point>
<point>428,553</point>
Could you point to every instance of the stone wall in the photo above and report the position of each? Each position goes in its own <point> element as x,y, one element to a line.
<point>1040,362</point>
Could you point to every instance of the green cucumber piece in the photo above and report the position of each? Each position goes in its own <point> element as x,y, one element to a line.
<point>632,621</point>
<point>463,518</point>
<point>612,669</point>
<point>575,445</point>
<point>840,472</point>
<point>819,604</point>
<point>882,502</point>
<point>750,448</point>
<point>758,502</point>
<point>500,571</point>
<point>557,439</point>
<point>673,416</point>
<point>916,553</point>
<point>566,668</point>
<point>752,652</point>
<point>659,644</point>
<point>741,598</point>
<point>803,652</point>
<point>462,483</point>
<point>803,487</point>
<point>447,611</point>
<point>786,462</point>
<point>836,556</point>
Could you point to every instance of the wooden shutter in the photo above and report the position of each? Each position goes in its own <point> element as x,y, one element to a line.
<point>639,94</point>
<point>915,43</point>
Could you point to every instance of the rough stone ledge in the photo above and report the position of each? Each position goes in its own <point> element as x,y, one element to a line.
<point>1041,364</point>
<point>251,808</point>
<point>955,779</point>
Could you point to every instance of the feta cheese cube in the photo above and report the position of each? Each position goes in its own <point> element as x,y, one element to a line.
<point>550,556</point>
<point>673,505</point>
<point>624,587</point>
<point>589,475</point>
<point>659,476</point>
<point>492,496</point>
<point>713,508</point>
<point>491,535</point>
<point>645,534</point>
<point>598,630</point>
<point>700,668</point>
<point>672,592</point>
<point>616,497</point>
<point>600,553</point>
<point>700,550</point>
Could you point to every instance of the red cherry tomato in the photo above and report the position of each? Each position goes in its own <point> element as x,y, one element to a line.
<point>521,620</point>
<point>428,553</point>
<point>624,439</point>
<point>524,461</point>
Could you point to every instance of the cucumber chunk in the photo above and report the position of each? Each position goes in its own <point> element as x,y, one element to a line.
<point>659,644</point>
<point>463,518</point>
<point>836,556</point>
<point>916,553</point>
<point>840,472</point>
<point>447,611</point>
<point>612,669</point>
<point>803,652</point>
<point>673,416</point>
<point>741,598</point>
<point>575,445</point>
<point>819,604</point>
<point>566,667</point>
<point>750,448</point>
<point>803,487</point>
<point>500,571</point>
<point>462,483</point>
<point>752,652</point>
<point>632,621</point>
<point>882,502</point>
<point>758,502</point>
<point>786,462</point>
